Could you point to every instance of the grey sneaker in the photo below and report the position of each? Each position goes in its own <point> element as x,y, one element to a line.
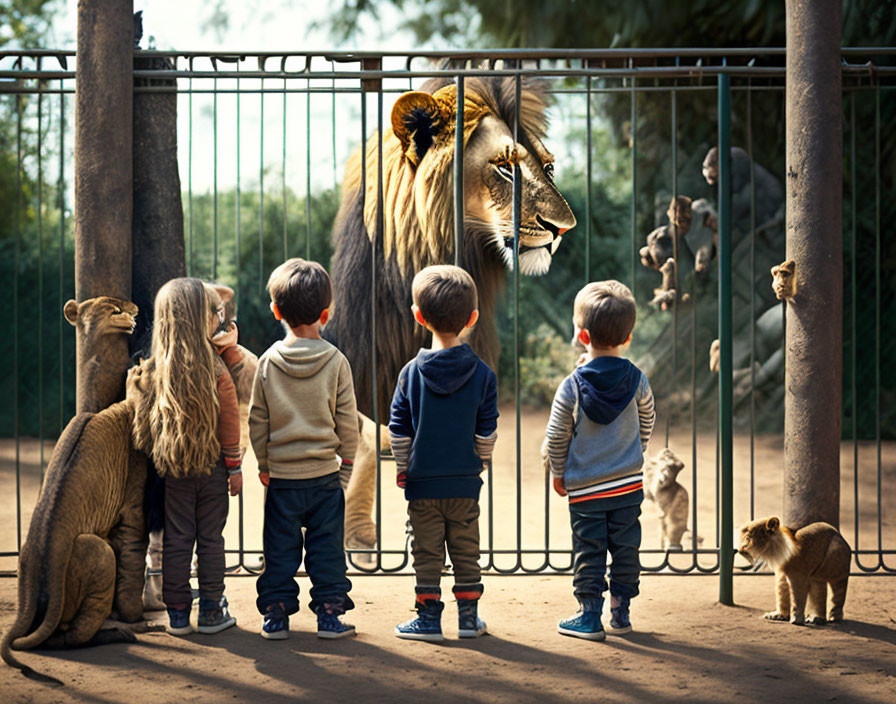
<point>214,616</point>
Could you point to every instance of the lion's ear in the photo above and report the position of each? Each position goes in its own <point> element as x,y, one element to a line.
<point>416,120</point>
<point>772,524</point>
<point>225,292</point>
<point>70,311</point>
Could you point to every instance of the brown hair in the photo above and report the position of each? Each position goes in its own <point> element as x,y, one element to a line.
<point>301,289</point>
<point>176,415</point>
<point>607,310</point>
<point>446,297</point>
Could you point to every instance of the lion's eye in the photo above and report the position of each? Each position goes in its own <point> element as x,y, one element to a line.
<point>549,171</point>
<point>117,311</point>
<point>504,167</point>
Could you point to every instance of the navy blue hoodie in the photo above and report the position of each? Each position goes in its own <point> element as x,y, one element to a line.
<point>443,399</point>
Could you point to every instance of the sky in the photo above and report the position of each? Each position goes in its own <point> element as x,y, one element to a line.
<point>269,25</point>
<point>286,146</point>
<point>260,26</point>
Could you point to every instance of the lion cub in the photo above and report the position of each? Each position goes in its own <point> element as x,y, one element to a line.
<point>670,497</point>
<point>805,561</point>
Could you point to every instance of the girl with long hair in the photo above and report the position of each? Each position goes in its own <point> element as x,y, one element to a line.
<point>187,419</point>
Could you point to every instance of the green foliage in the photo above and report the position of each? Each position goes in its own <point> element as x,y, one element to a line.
<point>23,23</point>
<point>586,24</point>
<point>247,255</point>
<point>36,278</point>
<point>546,359</point>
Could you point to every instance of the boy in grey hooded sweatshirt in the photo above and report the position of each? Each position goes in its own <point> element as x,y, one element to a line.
<point>303,424</point>
<point>601,420</point>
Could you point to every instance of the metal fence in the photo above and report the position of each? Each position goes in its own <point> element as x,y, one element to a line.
<point>319,109</point>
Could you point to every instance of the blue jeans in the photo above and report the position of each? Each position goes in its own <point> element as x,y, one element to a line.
<point>594,533</point>
<point>317,505</point>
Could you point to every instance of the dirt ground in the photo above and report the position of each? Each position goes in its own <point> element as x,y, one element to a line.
<point>686,648</point>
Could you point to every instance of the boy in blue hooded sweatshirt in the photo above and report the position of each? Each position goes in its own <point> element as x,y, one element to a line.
<point>601,420</point>
<point>444,425</point>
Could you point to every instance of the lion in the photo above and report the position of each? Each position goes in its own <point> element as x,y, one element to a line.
<point>102,359</point>
<point>418,230</point>
<point>805,561</point>
<point>86,543</point>
<point>670,497</point>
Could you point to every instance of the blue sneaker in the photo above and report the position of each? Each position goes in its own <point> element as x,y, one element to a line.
<point>276,623</point>
<point>328,623</point>
<point>427,625</point>
<point>179,622</point>
<point>619,620</point>
<point>584,624</point>
<point>214,616</point>
<point>469,625</point>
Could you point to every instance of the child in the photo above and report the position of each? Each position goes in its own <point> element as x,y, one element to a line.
<point>601,421</point>
<point>302,422</point>
<point>187,417</point>
<point>443,425</point>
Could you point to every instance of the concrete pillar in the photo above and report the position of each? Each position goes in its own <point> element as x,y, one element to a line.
<point>103,181</point>
<point>158,225</point>
<point>814,241</point>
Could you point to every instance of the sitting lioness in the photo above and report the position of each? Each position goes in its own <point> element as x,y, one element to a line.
<point>805,562</point>
<point>85,546</point>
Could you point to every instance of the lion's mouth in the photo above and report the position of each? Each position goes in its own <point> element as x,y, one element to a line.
<point>124,325</point>
<point>545,236</point>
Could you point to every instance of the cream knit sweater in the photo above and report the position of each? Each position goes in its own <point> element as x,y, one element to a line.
<point>302,417</point>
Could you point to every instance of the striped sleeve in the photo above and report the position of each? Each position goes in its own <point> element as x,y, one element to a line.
<point>401,451</point>
<point>560,426</point>
<point>646,411</point>
<point>401,427</point>
<point>485,445</point>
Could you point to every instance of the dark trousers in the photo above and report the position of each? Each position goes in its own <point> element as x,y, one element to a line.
<point>195,513</point>
<point>437,522</point>
<point>318,506</point>
<point>596,532</point>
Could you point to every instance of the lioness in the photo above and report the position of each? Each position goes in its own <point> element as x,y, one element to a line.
<point>805,561</point>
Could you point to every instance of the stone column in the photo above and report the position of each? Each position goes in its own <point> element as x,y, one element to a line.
<point>158,226</point>
<point>814,344</point>
<point>103,174</point>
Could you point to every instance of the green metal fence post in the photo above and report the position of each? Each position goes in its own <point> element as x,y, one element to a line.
<point>726,457</point>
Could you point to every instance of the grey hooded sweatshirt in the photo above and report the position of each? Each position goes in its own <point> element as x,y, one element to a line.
<point>302,417</point>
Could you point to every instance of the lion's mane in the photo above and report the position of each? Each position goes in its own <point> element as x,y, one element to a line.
<point>418,230</point>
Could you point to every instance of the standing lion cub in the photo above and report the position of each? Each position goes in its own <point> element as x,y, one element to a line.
<point>805,562</point>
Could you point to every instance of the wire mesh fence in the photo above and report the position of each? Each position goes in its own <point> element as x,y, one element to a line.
<point>264,139</point>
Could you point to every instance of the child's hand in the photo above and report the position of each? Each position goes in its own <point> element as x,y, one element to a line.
<point>401,479</point>
<point>264,478</point>
<point>558,486</point>
<point>226,338</point>
<point>236,483</point>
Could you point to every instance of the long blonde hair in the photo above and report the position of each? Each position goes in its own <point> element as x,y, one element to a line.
<point>176,409</point>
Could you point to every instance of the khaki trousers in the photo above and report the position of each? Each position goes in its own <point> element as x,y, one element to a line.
<point>437,522</point>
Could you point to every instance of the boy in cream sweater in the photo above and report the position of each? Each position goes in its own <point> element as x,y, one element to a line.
<point>303,424</point>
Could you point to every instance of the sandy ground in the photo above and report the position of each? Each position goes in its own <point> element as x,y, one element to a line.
<point>687,647</point>
<point>534,517</point>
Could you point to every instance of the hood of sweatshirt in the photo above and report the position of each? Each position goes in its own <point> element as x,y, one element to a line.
<point>301,358</point>
<point>606,386</point>
<point>445,371</point>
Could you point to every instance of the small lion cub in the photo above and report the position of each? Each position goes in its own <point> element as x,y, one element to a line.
<point>670,497</point>
<point>805,562</point>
